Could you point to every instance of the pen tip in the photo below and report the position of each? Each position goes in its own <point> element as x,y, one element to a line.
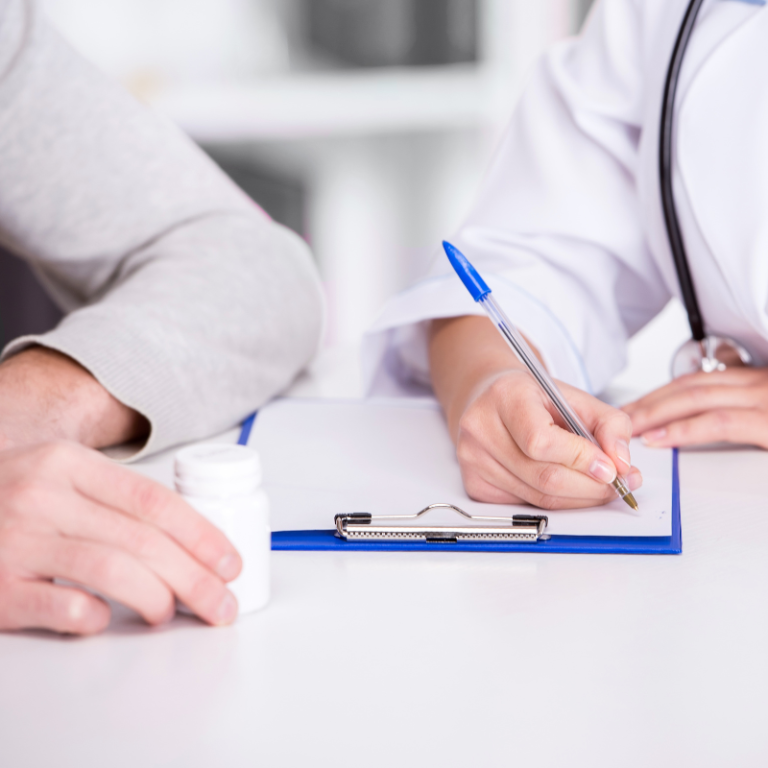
<point>630,499</point>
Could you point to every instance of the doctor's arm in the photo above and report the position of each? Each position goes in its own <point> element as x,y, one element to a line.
<point>556,231</point>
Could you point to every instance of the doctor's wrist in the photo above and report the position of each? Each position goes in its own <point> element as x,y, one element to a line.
<point>466,356</point>
<point>45,395</point>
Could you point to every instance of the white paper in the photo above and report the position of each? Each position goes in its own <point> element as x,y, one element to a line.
<point>395,457</point>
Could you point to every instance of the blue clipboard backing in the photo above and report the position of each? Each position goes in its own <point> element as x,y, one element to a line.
<point>595,545</point>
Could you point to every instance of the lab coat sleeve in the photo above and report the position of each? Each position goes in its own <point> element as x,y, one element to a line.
<point>182,297</point>
<point>555,229</point>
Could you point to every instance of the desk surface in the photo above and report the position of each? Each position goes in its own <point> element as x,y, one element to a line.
<point>385,659</point>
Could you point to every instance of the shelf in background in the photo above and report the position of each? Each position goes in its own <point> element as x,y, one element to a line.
<point>338,103</point>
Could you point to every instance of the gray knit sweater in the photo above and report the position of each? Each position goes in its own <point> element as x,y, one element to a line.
<point>183,299</point>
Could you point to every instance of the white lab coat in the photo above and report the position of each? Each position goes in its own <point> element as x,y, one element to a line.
<point>567,228</point>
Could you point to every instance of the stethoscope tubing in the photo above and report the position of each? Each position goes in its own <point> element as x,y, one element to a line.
<point>674,232</point>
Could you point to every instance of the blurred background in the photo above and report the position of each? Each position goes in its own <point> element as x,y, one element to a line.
<point>364,125</point>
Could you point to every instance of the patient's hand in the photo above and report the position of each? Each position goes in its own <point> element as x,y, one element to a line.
<point>45,395</point>
<point>724,406</point>
<point>66,512</point>
<point>510,443</point>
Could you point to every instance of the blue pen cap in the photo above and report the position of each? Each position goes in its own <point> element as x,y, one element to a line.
<point>468,274</point>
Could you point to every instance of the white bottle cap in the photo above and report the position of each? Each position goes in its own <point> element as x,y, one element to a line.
<point>217,470</point>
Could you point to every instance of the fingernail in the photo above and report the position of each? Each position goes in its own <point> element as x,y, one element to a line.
<point>227,567</point>
<point>603,472</point>
<point>654,436</point>
<point>634,480</point>
<point>622,451</point>
<point>227,611</point>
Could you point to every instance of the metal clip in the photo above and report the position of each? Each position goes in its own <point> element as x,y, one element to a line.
<point>362,526</point>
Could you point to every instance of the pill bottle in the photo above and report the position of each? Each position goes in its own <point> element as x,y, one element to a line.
<point>223,483</point>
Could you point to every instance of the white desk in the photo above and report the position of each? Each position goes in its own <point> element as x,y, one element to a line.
<point>442,660</point>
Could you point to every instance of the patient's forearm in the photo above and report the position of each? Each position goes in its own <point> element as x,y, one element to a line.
<point>45,395</point>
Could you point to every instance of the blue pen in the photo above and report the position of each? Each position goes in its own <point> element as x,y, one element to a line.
<point>481,293</point>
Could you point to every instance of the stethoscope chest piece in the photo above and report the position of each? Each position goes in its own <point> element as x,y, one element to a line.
<point>712,353</point>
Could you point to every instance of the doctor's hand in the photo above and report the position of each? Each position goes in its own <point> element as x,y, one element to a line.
<point>724,406</point>
<point>510,442</point>
<point>67,512</point>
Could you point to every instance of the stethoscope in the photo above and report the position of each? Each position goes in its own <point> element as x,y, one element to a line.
<point>703,352</point>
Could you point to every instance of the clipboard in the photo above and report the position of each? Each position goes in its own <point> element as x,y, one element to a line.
<point>491,531</point>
